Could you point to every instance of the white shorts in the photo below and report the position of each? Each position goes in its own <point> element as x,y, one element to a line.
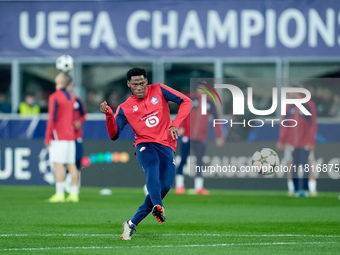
<point>63,152</point>
<point>288,153</point>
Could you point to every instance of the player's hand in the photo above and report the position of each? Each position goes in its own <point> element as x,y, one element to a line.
<point>103,107</point>
<point>219,142</point>
<point>173,132</point>
<point>77,124</point>
<point>280,146</point>
<point>181,131</point>
<point>309,147</point>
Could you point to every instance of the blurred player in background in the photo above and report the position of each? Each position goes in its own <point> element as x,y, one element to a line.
<point>79,119</point>
<point>60,136</point>
<point>29,106</point>
<point>147,112</point>
<point>193,131</point>
<point>288,158</point>
<point>300,140</point>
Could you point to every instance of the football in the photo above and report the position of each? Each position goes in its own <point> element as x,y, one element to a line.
<point>265,160</point>
<point>64,63</point>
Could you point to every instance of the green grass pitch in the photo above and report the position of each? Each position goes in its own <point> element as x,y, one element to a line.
<point>226,222</point>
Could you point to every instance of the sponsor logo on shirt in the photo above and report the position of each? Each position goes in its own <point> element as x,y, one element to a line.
<point>151,120</point>
<point>154,100</point>
<point>135,108</point>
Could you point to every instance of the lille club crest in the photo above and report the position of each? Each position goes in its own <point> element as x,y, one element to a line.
<point>154,100</point>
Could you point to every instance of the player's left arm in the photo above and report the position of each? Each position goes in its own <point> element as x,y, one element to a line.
<point>310,132</point>
<point>184,102</point>
<point>312,129</point>
<point>52,118</point>
<point>80,119</point>
<point>82,111</point>
<point>218,129</point>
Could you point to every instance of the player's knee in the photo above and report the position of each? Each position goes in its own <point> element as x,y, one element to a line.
<point>166,188</point>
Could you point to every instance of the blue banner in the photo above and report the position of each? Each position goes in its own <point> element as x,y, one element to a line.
<point>25,162</point>
<point>170,28</point>
<point>35,129</point>
<point>29,129</point>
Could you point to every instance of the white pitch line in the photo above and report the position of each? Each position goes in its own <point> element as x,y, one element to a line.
<point>164,246</point>
<point>179,234</point>
<point>249,235</point>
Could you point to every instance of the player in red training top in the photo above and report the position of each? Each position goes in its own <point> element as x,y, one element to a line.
<point>79,119</point>
<point>60,137</point>
<point>147,112</point>
<point>302,139</point>
<point>193,132</point>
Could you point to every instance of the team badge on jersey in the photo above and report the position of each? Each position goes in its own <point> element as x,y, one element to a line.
<point>154,100</point>
<point>135,108</point>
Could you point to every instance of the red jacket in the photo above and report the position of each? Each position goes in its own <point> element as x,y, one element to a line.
<point>149,117</point>
<point>196,125</point>
<point>60,116</point>
<point>305,132</point>
<point>79,115</point>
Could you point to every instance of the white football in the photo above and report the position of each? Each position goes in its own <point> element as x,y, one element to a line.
<point>265,160</point>
<point>64,63</point>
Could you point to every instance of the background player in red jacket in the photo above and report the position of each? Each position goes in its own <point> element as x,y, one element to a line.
<point>193,131</point>
<point>301,138</point>
<point>79,119</point>
<point>147,112</point>
<point>60,138</point>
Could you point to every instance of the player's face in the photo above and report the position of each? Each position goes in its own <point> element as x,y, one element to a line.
<point>59,81</point>
<point>69,87</point>
<point>138,85</point>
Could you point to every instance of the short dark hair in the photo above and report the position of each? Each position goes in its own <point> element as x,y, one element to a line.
<point>29,94</point>
<point>136,71</point>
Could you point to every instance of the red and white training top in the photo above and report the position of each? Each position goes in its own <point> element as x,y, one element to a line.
<point>60,116</point>
<point>149,117</point>
<point>304,133</point>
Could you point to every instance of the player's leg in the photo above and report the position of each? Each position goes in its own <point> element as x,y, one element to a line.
<point>142,211</point>
<point>312,180</point>
<point>287,157</point>
<point>79,152</point>
<point>300,157</point>
<point>73,171</point>
<point>163,158</point>
<point>199,150</point>
<point>57,157</point>
<point>167,168</point>
<point>59,183</point>
<point>78,157</point>
<point>167,171</point>
<point>290,183</point>
<point>185,150</point>
<point>295,169</point>
<point>304,155</point>
<point>149,160</point>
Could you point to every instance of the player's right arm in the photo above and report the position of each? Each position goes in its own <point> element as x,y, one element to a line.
<point>283,134</point>
<point>219,138</point>
<point>52,118</point>
<point>82,113</point>
<point>114,125</point>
